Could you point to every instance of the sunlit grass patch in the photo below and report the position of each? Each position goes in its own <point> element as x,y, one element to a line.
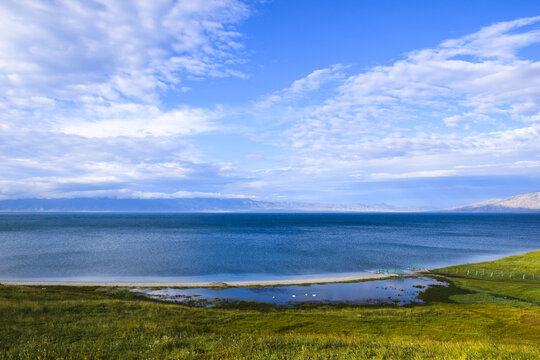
<point>64,322</point>
<point>523,268</point>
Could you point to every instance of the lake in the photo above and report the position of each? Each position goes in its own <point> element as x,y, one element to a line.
<point>228,247</point>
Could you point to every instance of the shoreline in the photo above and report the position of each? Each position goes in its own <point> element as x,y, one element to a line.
<point>201,284</point>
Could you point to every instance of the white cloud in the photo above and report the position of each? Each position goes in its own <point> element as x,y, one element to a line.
<point>479,73</point>
<point>113,49</point>
<point>81,85</point>
<point>100,68</point>
<point>81,88</point>
<point>315,79</point>
<point>437,112</point>
<point>135,120</point>
<point>46,164</point>
<point>302,87</point>
<point>47,188</point>
<point>413,174</point>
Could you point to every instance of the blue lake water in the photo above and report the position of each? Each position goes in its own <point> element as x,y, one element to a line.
<point>394,291</point>
<point>227,247</point>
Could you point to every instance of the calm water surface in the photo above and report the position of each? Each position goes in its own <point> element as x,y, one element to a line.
<point>396,291</point>
<point>226,247</point>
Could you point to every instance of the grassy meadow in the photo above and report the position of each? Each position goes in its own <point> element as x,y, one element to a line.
<point>470,319</point>
<point>516,276</point>
<point>522,267</point>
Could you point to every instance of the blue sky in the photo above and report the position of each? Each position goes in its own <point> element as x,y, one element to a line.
<point>421,103</point>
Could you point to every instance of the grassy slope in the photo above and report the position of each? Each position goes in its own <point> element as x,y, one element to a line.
<point>523,267</point>
<point>64,322</point>
<point>507,278</point>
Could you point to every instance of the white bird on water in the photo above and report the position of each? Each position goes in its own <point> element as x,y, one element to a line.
<point>294,296</point>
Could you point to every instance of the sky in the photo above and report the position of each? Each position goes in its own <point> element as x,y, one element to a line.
<point>426,104</point>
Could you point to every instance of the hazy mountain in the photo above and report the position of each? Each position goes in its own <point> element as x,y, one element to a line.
<point>520,203</point>
<point>177,205</point>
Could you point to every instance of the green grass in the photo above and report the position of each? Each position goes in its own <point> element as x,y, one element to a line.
<point>79,322</point>
<point>508,278</point>
<point>470,319</point>
<point>520,291</point>
<point>487,298</point>
<point>523,267</point>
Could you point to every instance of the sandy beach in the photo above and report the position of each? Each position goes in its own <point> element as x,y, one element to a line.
<point>322,280</point>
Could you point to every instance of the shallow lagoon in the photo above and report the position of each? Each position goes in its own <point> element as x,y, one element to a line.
<point>399,291</point>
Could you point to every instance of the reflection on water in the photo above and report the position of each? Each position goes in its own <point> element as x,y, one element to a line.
<point>396,291</point>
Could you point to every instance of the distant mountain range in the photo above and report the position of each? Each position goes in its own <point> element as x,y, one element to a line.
<point>520,203</point>
<point>179,205</point>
